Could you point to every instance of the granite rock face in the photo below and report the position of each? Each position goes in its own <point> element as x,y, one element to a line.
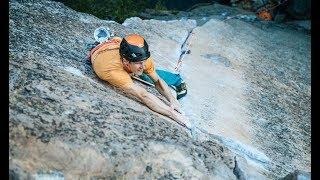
<point>256,82</point>
<point>297,175</point>
<point>65,122</point>
<point>250,79</point>
<point>248,86</point>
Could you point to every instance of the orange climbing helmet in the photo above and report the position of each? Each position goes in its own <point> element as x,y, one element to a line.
<point>134,48</point>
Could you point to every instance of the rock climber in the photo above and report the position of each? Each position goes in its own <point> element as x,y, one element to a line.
<point>117,59</point>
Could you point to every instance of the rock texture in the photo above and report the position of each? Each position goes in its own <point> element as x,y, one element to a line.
<point>297,175</point>
<point>248,86</point>
<point>248,80</point>
<point>64,119</point>
<point>254,83</point>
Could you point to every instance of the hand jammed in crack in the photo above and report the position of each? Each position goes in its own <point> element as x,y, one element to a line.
<point>181,119</point>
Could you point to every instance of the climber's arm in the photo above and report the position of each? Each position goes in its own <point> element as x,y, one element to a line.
<point>155,103</point>
<point>163,89</point>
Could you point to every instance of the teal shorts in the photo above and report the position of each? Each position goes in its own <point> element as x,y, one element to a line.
<point>171,79</point>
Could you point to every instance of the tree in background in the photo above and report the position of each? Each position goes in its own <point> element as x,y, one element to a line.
<point>117,10</point>
<point>161,5</point>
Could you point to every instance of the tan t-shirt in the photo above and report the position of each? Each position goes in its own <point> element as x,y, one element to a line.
<point>107,64</point>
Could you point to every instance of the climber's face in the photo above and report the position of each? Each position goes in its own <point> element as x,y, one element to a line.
<point>135,67</point>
